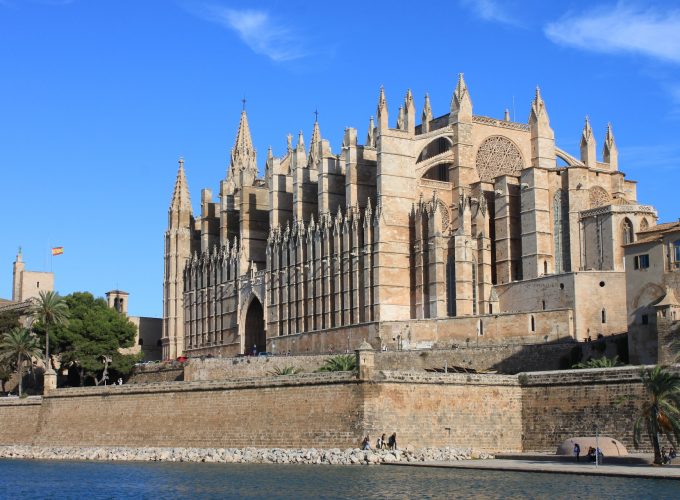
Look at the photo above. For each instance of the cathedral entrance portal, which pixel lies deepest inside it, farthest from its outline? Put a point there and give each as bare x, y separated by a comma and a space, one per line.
255, 328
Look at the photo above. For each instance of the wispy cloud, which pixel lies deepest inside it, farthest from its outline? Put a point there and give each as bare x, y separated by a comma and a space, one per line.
489, 10
261, 32
621, 28
650, 157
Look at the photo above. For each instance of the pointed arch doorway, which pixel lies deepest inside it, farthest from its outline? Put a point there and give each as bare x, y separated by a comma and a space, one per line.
254, 327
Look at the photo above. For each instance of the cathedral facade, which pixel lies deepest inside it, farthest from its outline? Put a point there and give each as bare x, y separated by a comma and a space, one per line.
459, 227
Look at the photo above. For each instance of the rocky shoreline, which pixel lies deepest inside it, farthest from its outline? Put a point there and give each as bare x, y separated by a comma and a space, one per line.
333, 456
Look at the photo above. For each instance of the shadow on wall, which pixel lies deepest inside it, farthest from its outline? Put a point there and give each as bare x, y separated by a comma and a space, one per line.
562, 355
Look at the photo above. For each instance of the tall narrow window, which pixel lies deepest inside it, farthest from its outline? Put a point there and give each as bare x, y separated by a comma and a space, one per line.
604, 316
474, 287
545, 267
533, 324
676, 254
561, 232
451, 286
627, 235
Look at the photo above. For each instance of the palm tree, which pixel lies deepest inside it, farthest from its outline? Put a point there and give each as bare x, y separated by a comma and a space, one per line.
50, 310
17, 345
286, 370
660, 413
599, 363
340, 363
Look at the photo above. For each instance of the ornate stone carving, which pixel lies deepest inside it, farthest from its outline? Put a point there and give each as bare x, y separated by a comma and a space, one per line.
598, 197
498, 156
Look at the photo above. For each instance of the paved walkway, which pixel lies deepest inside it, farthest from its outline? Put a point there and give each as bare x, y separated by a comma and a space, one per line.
639, 471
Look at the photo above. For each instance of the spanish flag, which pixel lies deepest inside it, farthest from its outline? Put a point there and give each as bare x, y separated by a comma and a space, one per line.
57, 250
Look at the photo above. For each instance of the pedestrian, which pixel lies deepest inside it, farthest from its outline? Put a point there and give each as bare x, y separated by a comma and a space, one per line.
383, 442
392, 441
366, 443
254, 350
577, 452
379, 443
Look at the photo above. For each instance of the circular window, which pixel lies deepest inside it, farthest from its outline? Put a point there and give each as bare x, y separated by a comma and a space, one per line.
601, 283
561, 286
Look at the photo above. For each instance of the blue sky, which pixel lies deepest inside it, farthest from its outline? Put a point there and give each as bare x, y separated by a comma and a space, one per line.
99, 98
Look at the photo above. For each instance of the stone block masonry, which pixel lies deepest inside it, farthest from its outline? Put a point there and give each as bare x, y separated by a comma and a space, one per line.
525, 412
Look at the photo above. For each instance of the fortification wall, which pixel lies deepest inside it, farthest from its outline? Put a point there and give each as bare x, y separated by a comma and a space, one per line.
530, 411
158, 372
248, 366
309, 410
19, 419
512, 358
559, 405
483, 412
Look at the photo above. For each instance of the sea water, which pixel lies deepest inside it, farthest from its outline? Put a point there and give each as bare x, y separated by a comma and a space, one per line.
103, 480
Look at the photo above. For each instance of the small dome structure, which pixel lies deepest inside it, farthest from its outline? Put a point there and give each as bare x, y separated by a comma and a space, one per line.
610, 447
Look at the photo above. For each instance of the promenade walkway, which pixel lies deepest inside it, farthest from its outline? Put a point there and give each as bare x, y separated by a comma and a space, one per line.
637, 471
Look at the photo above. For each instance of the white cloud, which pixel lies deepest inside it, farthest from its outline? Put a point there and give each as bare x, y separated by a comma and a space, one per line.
621, 28
488, 10
258, 30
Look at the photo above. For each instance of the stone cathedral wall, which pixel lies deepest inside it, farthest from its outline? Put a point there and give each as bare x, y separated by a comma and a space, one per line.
526, 412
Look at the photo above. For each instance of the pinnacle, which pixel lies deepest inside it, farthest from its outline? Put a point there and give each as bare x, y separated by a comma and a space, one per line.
243, 139
180, 195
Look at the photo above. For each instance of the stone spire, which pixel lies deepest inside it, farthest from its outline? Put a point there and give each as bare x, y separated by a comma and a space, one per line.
539, 113
382, 110
542, 136
180, 195
461, 104
400, 118
243, 168
427, 115
370, 137
409, 113
301, 142
610, 154
588, 152
289, 143
314, 146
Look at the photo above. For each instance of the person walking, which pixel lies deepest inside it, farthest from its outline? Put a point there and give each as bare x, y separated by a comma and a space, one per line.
577, 452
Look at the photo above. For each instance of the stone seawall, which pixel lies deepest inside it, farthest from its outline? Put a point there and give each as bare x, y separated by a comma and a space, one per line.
562, 404
525, 412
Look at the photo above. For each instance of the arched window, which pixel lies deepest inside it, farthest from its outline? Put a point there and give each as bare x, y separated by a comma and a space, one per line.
561, 232
644, 224
676, 254
627, 235
545, 267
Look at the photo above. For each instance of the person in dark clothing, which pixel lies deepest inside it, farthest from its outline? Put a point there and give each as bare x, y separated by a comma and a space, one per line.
577, 452
392, 441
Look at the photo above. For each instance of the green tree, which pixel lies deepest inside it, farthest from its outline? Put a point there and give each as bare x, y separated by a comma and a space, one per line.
340, 363
599, 363
94, 330
660, 412
18, 345
51, 310
6, 371
9, 320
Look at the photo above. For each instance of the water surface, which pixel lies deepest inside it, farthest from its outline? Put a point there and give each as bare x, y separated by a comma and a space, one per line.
104, 480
